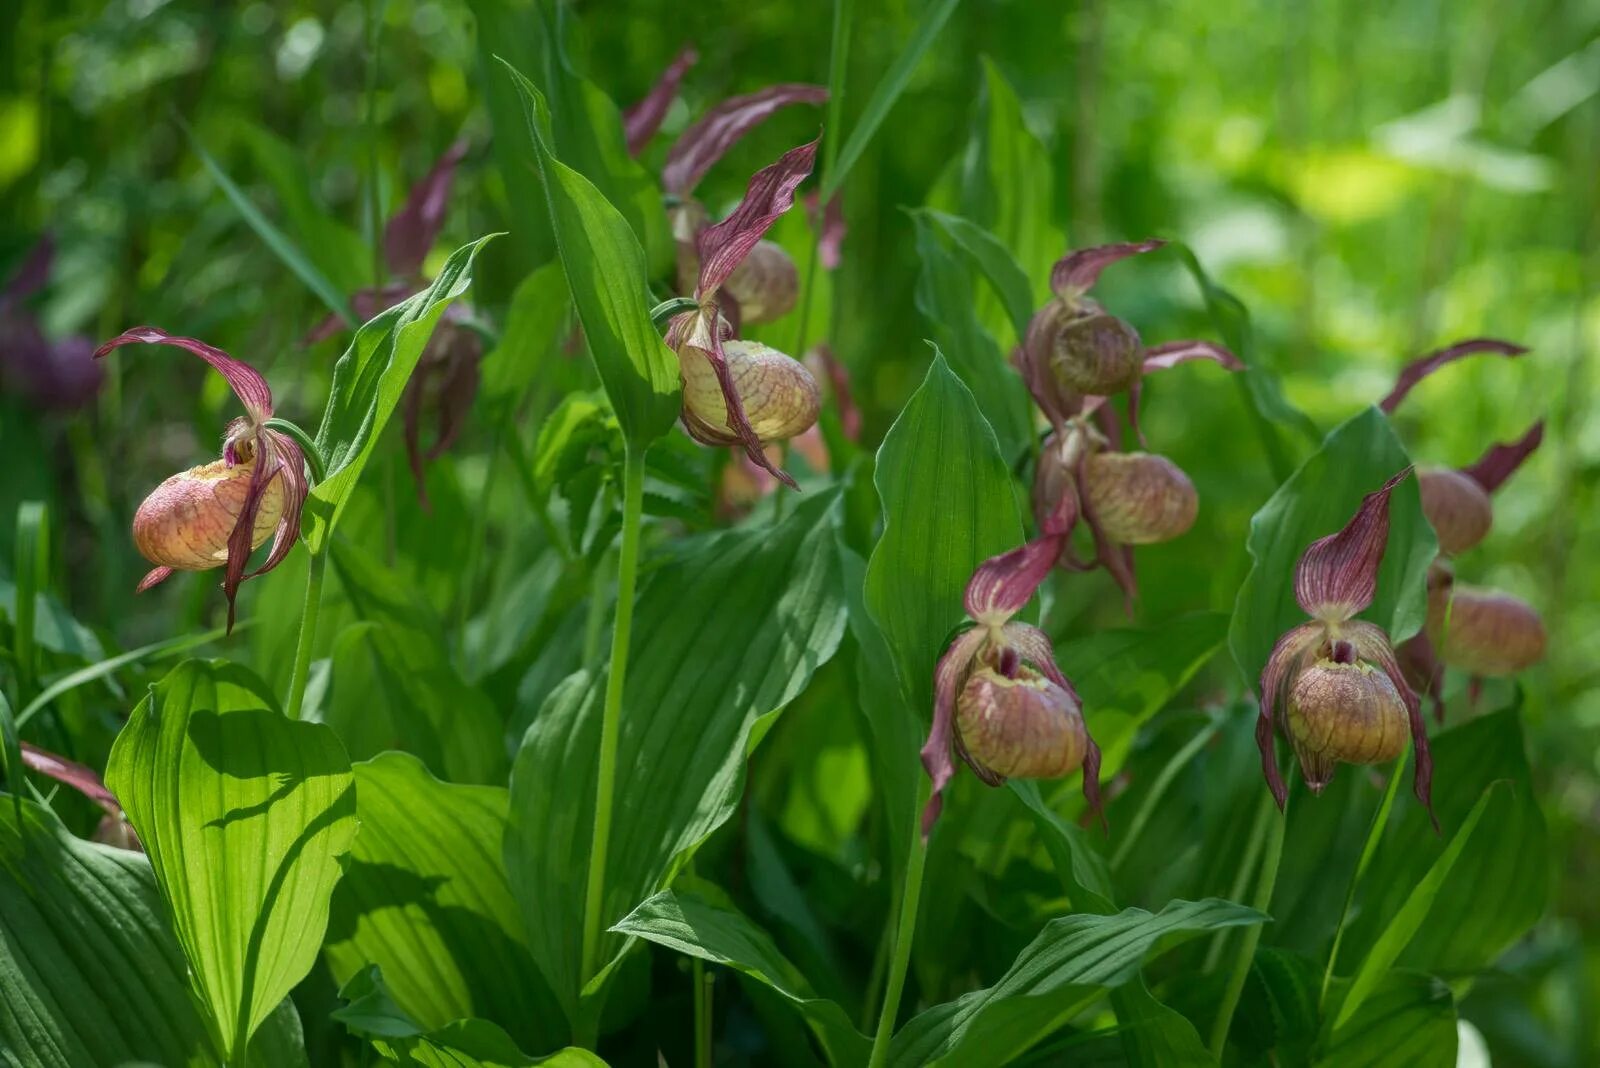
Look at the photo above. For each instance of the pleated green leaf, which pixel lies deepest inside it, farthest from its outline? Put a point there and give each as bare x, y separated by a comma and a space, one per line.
90, 974
726, 635
1356, 458
425, 898
722, 935
368, 381
1408, 1018
948, 505
606, 269
1066, 967
243, 814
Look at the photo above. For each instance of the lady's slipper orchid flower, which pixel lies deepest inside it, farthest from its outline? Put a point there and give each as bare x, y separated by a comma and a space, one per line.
216, 514
1125, 498
446, 377
1336, 678
1000, 700
59, 374
742, 392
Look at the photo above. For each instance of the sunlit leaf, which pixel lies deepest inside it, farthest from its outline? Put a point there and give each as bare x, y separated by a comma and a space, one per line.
244, 814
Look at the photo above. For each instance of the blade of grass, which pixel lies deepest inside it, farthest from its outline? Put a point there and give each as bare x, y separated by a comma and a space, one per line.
272, 237
94, 672
886, 93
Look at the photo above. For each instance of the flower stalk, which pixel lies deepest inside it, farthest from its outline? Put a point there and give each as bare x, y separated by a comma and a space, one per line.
300, 675
905, 933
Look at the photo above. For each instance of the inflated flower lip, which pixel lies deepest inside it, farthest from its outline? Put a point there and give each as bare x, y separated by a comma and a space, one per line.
215, 515
738, 392
1336, 678
1000, 700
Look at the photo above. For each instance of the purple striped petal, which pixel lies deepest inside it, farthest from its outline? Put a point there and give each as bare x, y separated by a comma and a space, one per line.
641, 121
412, 230
1003, 585
937, 760
78, 776
1418, 369
246, 381
1284, 661
724, 246
1172, 353
708, 140
1337, 575
1502, 461
1076, 273
268, 461
292, 470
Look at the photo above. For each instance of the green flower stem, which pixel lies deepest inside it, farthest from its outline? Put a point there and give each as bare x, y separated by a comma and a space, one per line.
905, 932
1265, 881
306, 443
664, 311
298, 678
1380, 820
611, 718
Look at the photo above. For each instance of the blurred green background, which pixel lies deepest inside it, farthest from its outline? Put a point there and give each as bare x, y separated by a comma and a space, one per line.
1372, 179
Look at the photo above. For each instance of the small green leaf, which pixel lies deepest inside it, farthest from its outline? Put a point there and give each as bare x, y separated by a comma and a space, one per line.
425, 898
605, 267
368, 382
948, 505
946, 296
887, 91
991, 257
243, 814
1403, 927
529, 350
89, 971
1065, 968
722, 935
1357, 457
275, 239
723, 651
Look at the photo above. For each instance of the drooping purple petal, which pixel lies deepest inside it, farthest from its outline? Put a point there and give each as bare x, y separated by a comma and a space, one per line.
641, 121
1032, 359
700, 146
412, 230
1281, 665
1424, 671
246, 381
267, 463
292, 472
1421, 368
1003, 585
1076, 273
830, 229
1338, 575
154, 577
69, 772
724, 246
1502, 461
1171, 353
948, 677
31, 274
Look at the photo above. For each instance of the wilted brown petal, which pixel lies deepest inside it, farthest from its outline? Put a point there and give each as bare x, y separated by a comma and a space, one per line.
1076, 273
1337, 575
641, 121
1418, 369
705, 142
1502, 461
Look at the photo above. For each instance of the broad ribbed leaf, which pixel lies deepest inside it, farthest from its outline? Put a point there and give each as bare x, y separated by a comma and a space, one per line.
997, 264
1080, 867
1153, 1035
1408, 1018
244, 814
425, 898
947, 293
1357, 457
606, 270
692, 925
90, 975
393, 685
1067, 966
368, 381
948, 505
729, 633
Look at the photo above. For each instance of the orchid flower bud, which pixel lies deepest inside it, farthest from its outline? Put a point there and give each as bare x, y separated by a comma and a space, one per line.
1092, 352
740, 392
1484, 632
766, 284
1000, 700
1139, 498
1456, 507
216, 514
1336, 678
